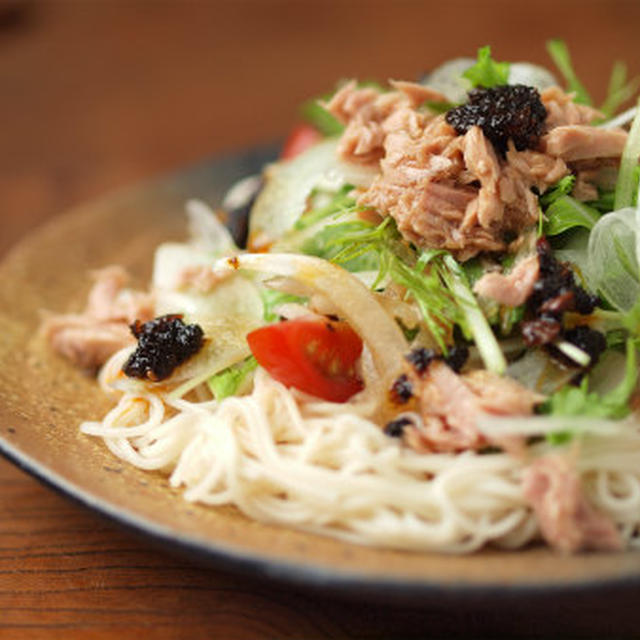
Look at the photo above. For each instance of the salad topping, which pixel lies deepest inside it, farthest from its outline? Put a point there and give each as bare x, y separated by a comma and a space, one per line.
163, 344
553, 293
505, 112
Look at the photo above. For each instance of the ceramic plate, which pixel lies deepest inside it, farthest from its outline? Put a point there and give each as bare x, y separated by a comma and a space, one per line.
43, 400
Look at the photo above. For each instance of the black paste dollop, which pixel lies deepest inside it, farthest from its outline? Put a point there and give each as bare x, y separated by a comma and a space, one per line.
554, 293
509, 112
421, 358
163, 344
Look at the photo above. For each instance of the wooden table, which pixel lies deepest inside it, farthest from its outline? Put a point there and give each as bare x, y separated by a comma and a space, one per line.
95, 95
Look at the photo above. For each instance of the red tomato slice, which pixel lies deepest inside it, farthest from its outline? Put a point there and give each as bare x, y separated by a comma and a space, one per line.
315, 356
302, 137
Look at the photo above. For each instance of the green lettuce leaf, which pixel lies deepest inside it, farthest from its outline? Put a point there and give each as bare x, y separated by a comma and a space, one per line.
566, 213
272, 298
231, 381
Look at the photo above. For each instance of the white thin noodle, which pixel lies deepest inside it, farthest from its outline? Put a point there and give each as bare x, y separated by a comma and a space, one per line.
282, 458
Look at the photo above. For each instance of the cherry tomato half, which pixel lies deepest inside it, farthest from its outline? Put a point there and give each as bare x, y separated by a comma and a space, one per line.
314, 355
302, 137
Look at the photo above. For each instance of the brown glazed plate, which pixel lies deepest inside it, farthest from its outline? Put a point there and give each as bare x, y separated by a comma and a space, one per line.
43, 399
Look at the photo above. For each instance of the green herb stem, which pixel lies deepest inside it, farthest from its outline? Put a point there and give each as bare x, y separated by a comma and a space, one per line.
477, 324
559, 53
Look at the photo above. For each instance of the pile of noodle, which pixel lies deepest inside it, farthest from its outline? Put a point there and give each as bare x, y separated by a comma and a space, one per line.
282, 457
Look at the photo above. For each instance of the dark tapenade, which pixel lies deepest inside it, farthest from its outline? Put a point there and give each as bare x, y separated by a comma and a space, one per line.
163, 344
509, 112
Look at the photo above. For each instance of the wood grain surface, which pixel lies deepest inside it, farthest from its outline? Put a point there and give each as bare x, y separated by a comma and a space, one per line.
96, 95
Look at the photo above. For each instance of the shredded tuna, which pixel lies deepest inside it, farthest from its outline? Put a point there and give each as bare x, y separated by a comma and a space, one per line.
599, 172
371, 115
87, 343
561, 110
349, 101
418, 187
500, 395
482, 162
579, 142
453, 192
89, 338
418, 94
368, 103
536, 169
584, 190
364, 111
450, 405
428, 184
513, 288
567, 520
456, 192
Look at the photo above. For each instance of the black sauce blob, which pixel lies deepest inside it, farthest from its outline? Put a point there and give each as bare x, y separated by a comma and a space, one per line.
509, 112
163, 344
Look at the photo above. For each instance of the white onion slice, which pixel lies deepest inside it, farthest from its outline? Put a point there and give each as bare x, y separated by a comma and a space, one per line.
235, 295
290, 183
206, 232
537, 371
225, 345
613, 259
